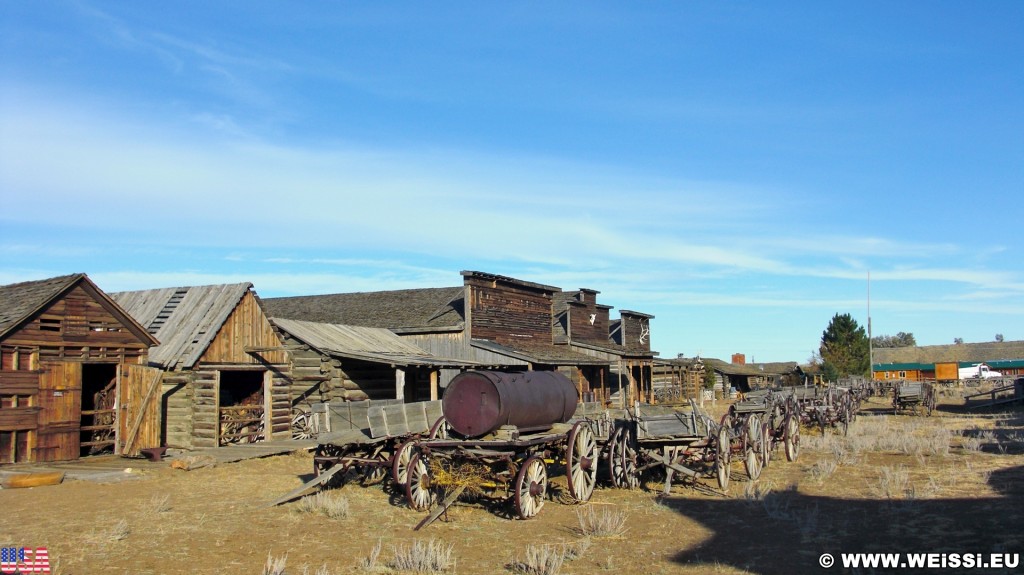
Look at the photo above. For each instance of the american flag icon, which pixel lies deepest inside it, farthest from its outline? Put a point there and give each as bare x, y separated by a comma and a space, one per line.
21, 560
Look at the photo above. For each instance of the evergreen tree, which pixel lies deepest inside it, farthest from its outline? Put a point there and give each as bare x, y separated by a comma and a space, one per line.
844, 348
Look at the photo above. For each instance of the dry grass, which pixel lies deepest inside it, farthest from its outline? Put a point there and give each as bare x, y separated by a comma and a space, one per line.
325, 503
420, 556
601, 523
275, 565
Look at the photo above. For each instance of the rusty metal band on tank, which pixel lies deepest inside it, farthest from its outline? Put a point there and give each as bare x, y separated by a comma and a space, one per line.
479, 402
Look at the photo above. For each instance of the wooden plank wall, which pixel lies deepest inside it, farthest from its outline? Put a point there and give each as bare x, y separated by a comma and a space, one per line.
139, 418
504, 312
246, 326
178, 395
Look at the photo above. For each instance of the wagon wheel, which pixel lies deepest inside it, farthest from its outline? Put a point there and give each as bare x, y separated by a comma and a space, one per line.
372, 474
581, 461
614, 461
766, 443
400, 463
791, 438
753, 447
628, 453
302, 423
723, 458
319, 467
531, 487
440, 429
417, 484
844, 419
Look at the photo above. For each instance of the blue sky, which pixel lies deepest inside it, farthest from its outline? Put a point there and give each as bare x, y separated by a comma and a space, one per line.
735, 169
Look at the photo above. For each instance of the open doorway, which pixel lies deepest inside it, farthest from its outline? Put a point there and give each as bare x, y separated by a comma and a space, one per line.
99, 413
241, 406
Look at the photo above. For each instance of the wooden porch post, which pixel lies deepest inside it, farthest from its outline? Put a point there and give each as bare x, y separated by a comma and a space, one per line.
399, 383
433, 384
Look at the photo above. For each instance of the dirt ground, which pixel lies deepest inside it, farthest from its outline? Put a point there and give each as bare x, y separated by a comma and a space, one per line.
951, 483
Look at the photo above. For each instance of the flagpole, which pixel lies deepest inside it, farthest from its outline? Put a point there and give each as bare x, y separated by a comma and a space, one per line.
871, 349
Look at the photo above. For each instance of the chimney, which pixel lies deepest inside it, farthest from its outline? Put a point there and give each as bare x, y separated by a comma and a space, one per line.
739, 359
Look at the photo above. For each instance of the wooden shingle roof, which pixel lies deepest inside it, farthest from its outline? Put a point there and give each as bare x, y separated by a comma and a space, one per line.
184, 319
397, 310
20, 302
375, 344
541, 353
976, 352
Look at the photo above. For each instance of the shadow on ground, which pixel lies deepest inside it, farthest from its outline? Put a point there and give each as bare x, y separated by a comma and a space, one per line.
788, 531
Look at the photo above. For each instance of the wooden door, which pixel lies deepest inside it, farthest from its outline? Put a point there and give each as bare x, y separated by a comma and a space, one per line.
138, 421
60, 415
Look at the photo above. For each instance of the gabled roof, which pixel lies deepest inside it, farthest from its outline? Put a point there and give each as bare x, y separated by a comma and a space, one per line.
976, 352
374, 344
397, 310
184, 319
752, 369
20, 302
546, 354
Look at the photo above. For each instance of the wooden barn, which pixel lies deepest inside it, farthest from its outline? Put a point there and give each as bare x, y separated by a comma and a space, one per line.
73, 376
356, 363
491, 321
586, 327
227, 375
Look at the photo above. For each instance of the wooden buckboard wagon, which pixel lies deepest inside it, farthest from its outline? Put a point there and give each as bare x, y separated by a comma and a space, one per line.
913, 396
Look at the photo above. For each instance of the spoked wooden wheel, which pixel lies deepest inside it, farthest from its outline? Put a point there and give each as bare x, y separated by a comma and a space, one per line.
417, 484
766, 444
614, 461
791, 438
723, 458
440, 429
581, 462
628, 454
531, 487
400, 463
753, 447
372, 474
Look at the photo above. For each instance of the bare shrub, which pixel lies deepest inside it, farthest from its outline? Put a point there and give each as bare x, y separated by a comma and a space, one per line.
755, 492
894, 482
369, 563
119, 532
423, 557
540, 560
325, 503
971, 444
606, 523
275, 565
160, 504
823, 469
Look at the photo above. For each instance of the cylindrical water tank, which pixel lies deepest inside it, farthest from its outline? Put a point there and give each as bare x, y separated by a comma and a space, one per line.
479, 402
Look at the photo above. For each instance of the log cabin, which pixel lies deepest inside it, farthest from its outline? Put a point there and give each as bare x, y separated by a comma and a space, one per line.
73, 375
227, 374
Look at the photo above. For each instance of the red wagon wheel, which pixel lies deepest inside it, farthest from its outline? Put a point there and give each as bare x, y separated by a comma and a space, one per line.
791, 437
628, 450
753, 447
417, 484
581, 461
723, 458
400, 463
531, 487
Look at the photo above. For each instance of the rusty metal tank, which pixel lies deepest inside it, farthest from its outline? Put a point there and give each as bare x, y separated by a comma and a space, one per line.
479, 402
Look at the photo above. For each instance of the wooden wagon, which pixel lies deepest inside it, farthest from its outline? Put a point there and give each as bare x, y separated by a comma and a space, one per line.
913, 396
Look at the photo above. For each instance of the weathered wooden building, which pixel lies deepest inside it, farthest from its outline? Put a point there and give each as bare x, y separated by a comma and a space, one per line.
492, 321
357, 363
73, 379
586, 327
227, 375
